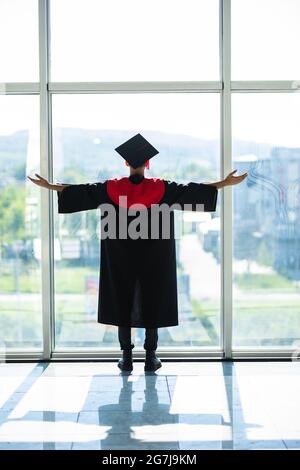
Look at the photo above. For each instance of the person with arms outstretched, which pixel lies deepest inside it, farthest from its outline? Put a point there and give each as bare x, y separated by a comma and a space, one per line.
138, 283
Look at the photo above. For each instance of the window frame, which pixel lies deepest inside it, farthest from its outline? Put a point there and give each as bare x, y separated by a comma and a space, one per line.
225, 87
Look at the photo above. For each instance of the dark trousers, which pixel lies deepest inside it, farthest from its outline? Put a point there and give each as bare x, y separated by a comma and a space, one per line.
150, 343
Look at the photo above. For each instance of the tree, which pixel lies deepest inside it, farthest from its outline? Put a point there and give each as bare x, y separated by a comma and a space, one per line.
12, 213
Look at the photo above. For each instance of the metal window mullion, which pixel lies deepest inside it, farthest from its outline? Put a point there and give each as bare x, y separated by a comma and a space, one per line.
226, 165
168, 86
135, 87
45, 169
265, 85
19, 88
174, 354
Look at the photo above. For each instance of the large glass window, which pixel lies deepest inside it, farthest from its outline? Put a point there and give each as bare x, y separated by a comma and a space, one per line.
151, 44
19, 41
20, 240
117, 40
265, 39
266, 143
185, 130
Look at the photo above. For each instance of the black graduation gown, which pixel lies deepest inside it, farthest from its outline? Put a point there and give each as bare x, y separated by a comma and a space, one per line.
137, 283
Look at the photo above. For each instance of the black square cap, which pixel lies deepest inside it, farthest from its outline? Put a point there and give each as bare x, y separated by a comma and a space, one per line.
136, 151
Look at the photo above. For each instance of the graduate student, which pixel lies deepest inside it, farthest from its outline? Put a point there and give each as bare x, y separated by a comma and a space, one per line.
137, 283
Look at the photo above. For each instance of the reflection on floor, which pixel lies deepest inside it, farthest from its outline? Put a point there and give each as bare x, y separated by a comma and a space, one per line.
184, 406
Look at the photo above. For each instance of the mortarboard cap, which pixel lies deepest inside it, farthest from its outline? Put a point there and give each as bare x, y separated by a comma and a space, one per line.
136, 151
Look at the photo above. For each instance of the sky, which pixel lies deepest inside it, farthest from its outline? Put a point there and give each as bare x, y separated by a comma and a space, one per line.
99, 40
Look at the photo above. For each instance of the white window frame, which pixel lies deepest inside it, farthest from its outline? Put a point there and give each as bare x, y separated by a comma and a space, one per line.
225, 87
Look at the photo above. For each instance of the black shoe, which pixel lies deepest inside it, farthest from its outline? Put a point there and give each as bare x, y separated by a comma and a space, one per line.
125, 363
152, 362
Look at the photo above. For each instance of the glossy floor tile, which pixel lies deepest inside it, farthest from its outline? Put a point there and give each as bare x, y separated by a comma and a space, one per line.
187, 406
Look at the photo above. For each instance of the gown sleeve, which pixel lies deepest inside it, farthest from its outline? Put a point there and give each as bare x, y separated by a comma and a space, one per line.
80, 197
191, 194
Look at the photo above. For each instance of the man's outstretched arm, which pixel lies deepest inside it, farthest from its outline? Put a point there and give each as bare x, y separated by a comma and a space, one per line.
40, 181
230, 180
192, 194
75, 197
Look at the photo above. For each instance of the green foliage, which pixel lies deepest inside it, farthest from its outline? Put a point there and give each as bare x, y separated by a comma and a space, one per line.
67, 280
71, 280
74, 222
73, 175
253, 281
27, 283
266, 323
204, 315
196, 172
20, 327
191, 172
12, 213
198, 308
204, 309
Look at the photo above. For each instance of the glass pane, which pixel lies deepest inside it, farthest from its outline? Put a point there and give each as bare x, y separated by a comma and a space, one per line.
117, 40
265, 39
267, 219
19, 41
20, 240
87, 128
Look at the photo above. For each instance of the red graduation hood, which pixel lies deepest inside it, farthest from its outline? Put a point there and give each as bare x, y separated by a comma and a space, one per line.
148, 191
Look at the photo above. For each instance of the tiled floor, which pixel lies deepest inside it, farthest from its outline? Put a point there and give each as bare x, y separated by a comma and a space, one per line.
184, 406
